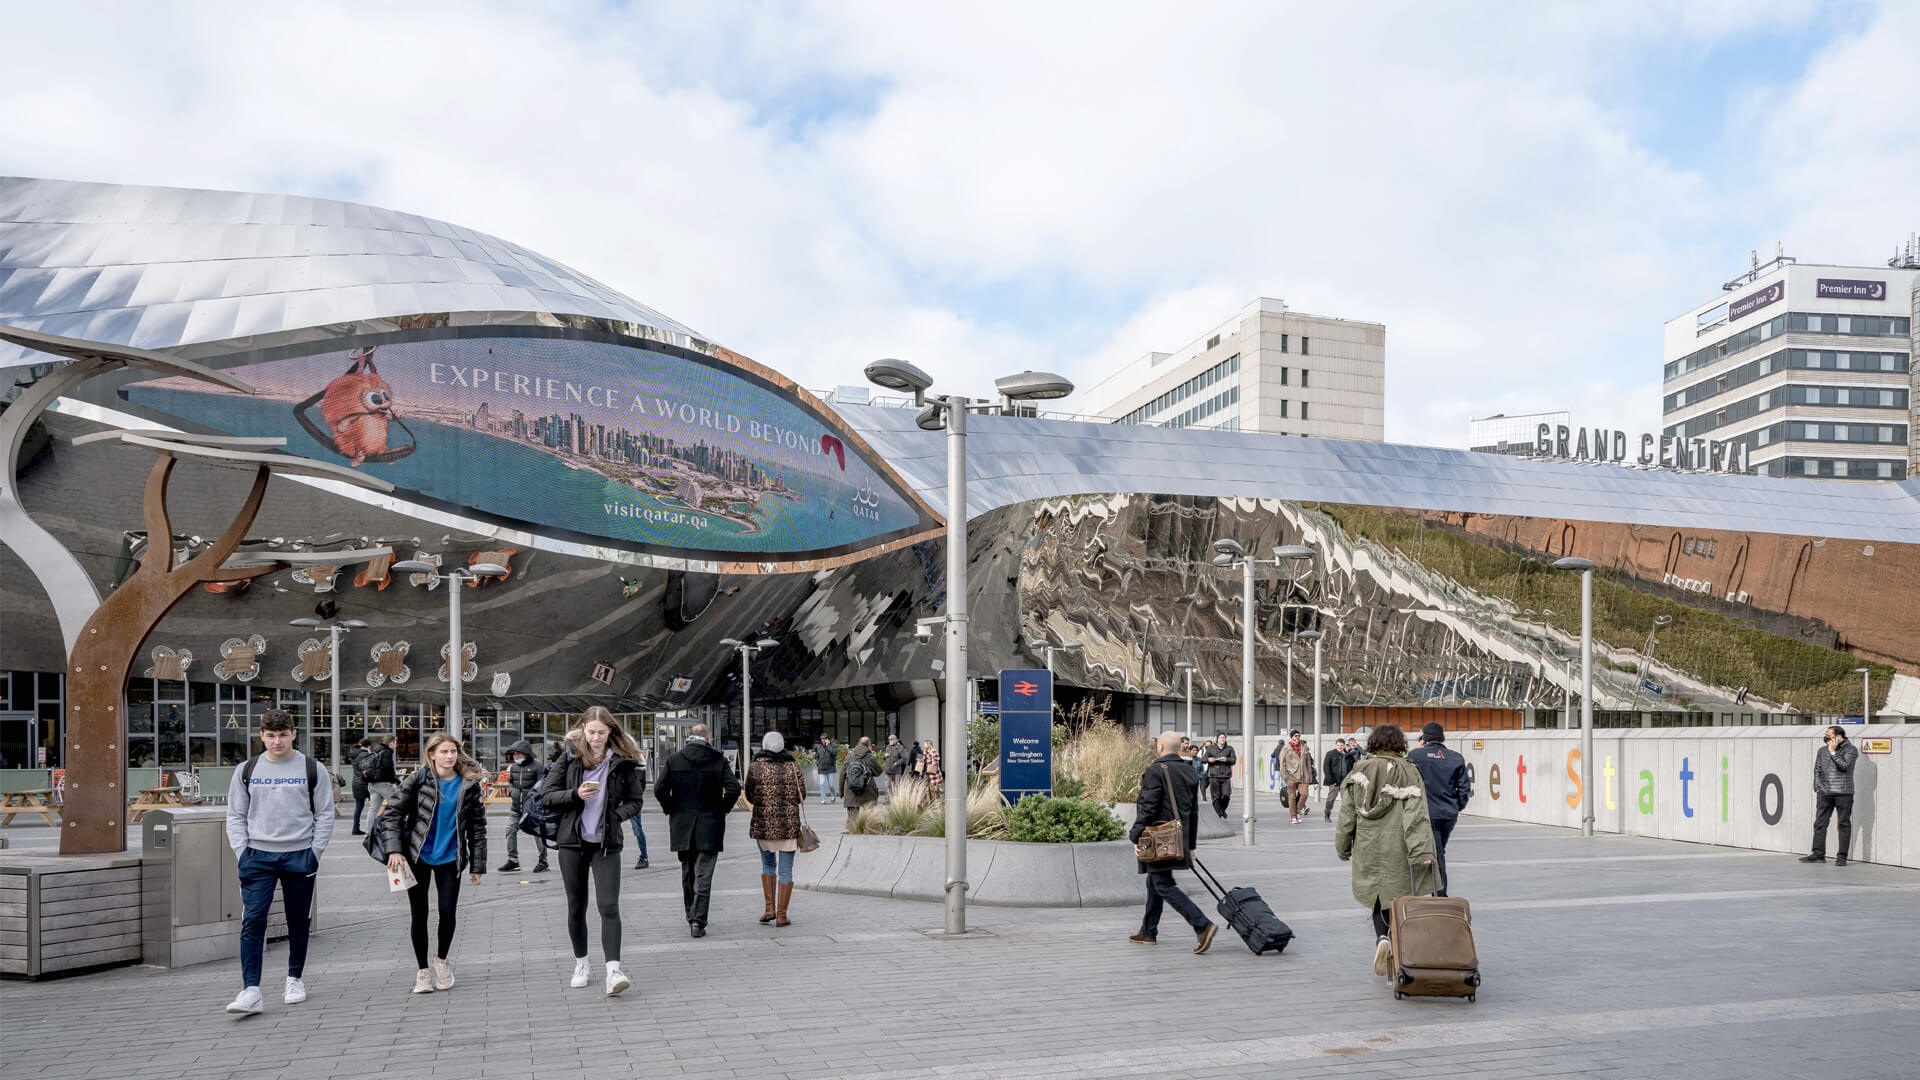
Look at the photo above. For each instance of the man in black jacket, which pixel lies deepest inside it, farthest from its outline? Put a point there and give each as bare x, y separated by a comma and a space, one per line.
1833, 790
382, 778
1218, 757
1444, 773
1333, 769
1169, 791
697, 788
524, 773
357, 761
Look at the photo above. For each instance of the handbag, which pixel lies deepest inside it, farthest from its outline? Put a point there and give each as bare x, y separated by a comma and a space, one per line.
808, 840
1165, 841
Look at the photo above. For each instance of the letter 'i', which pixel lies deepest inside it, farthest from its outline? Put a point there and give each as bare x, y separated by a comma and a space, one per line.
1723, 789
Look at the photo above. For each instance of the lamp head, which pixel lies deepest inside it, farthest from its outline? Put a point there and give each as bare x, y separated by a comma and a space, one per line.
732, 642
310, 623
1183, 666
1033, 386
1293, 551
414, 566
898, 375
1223, 560
1071, 645
1229, 546
354, 624
1309, 635
1663, 620
1573, 563
487, 569
933, 417
766, 643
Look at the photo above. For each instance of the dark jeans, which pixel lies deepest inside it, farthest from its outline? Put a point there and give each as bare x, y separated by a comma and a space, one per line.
1825, 806
359, 805
1161, 891
1441, 831
513, 829
639, 834
696, 883
445, 879
575, 863
294, 872
1221, 788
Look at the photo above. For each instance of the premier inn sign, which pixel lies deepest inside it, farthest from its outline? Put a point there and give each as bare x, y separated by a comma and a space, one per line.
1611, 445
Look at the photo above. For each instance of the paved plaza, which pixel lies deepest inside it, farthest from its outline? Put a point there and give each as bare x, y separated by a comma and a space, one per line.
1611, 957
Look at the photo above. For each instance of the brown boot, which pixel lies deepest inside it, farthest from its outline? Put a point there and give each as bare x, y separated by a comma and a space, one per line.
780, 912
766, 886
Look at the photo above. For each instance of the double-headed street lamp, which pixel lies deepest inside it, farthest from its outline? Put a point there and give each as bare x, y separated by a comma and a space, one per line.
456, 649
1227, 554
1585, 566
747, 650
1866, 694
334, 629
1315, 637
1049, 649
949, 413
1186, 669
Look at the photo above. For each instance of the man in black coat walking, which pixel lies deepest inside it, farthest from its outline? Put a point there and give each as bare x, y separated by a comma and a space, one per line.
1334, 769
1169, 791
1219, 759
357, 760
697, 789
1444, 774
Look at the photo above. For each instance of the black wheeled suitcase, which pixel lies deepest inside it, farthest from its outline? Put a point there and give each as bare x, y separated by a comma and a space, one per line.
1249, 915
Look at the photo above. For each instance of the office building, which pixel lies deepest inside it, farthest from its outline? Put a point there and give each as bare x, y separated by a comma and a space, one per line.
1515, 436
1266, 369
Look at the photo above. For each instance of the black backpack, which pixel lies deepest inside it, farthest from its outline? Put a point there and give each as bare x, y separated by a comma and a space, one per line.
313, 778
859, 776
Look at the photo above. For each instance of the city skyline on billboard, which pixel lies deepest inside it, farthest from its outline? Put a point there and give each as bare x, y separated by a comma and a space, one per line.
639, 444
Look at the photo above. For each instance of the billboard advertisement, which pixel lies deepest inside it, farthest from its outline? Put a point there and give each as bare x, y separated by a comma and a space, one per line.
609, 440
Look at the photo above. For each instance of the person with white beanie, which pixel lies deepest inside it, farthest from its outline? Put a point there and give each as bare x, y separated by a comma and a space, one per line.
776, 788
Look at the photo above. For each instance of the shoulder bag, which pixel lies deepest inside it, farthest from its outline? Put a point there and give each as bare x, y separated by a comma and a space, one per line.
1167, 840
808, 840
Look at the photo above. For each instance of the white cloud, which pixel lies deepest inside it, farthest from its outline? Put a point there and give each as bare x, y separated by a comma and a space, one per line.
818, 186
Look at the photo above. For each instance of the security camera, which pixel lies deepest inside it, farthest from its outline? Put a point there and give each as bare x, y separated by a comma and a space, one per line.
925, 627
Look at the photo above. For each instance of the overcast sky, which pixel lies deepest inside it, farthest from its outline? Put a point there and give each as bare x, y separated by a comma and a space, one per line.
1522, 193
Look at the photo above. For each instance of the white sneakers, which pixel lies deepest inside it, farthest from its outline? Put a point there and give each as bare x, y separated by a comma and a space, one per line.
248, 1003
295, 993
442, 974
423, 981
617, 980
1383, 957
582, 974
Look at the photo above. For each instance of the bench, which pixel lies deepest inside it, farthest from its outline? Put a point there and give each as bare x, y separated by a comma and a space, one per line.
29, 801
153, 798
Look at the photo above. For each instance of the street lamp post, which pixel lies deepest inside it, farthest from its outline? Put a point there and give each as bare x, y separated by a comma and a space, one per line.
1187, 669
1049, 649
949, 413
1315, 637
1229, 553
1866, 694
1585, 566
456, 661
334, 630
747, 651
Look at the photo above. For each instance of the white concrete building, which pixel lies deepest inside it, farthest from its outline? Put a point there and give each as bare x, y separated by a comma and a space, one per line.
1517, 436
1809, 367
1266, 369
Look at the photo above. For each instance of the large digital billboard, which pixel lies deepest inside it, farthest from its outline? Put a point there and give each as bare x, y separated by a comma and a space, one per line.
638, 444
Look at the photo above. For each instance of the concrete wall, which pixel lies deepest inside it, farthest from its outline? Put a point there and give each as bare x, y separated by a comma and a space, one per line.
1748, 787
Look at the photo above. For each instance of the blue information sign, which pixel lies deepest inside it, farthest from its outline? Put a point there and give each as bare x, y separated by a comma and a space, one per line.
1026, 733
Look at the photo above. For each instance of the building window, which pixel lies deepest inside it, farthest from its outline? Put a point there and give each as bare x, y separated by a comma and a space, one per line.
1283, 408
1303, 410
1212, 341
1283, 343
1283, 376
1303, 371
1303, 349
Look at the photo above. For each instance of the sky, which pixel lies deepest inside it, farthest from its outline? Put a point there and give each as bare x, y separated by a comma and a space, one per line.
1522, 194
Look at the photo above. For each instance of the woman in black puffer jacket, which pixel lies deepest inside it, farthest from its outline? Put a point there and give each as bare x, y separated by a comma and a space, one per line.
437, 824
594, 790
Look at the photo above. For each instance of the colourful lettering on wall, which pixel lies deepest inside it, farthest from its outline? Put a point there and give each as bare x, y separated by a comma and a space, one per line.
1608, 786
1772, 817
1578, 792
1686, 776
1521, 769
1723, 789
1493, 782
1646, 792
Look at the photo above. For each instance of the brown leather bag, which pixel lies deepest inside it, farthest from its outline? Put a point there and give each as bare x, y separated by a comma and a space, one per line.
1165, 841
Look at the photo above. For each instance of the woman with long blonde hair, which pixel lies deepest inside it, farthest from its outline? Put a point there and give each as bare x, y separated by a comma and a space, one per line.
594, 790
436, 824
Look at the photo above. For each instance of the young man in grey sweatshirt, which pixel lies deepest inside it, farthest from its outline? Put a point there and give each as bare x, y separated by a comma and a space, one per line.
278, 828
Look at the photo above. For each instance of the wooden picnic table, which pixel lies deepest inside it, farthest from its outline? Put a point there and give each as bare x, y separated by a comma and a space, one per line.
29, 801
153, 798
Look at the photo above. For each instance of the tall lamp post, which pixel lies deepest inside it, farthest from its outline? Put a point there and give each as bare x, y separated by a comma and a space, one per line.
747, 651
1227, 554
949, 413
334, 630
1866, 694
456, 662
1186, 669
1315, 637
1585, 566
1049, 649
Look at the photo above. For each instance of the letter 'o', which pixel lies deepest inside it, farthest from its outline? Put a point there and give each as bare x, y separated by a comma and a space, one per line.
1772, 817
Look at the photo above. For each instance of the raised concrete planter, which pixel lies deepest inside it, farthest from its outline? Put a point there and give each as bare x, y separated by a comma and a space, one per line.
1001, 873
1211, 827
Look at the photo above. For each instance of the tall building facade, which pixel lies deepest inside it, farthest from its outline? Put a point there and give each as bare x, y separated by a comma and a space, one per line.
1515, 436
1266, 369
1808, 367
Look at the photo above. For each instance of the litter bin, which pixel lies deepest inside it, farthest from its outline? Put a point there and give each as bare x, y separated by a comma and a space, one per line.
190, 890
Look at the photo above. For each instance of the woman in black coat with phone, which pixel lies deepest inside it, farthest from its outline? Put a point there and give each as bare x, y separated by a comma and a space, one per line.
594, 790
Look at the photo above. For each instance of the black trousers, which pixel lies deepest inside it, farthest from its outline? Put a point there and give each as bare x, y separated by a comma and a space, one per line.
1825, 806
604, 865
1221, 788
444, 879
1382, 920
1441, 831
696, 883
1162, 891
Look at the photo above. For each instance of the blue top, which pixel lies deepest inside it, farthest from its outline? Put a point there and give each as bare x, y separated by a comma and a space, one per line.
440, 848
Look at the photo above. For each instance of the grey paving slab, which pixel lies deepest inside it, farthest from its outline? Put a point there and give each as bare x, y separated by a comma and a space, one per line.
1614, 957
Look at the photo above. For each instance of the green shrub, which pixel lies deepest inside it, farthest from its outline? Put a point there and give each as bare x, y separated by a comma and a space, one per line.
983, 739
805, 759
1036, 819
1068, 787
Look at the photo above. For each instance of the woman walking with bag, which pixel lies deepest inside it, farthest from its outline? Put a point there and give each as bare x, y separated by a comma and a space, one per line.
777, 791
436, 825
1384, 829
594, 790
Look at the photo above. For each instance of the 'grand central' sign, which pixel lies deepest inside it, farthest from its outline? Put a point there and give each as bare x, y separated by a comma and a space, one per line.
1667, 452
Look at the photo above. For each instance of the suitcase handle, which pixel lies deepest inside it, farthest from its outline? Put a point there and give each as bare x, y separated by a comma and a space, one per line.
1433, 875
1206, 878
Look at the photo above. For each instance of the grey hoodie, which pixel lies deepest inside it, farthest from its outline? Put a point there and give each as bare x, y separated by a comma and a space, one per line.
271, 813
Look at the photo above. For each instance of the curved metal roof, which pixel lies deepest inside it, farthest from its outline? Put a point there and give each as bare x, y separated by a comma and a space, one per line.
159, 268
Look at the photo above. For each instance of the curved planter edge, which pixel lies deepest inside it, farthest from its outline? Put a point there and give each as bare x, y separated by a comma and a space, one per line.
1001, 873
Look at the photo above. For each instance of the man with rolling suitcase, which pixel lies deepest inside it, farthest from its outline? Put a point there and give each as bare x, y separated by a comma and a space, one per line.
1169, 793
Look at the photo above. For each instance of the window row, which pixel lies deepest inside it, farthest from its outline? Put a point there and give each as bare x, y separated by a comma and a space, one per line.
1785, 359
1305, 341
1817, 431
1856, 397
1286, 407
1304, 373
1796, 322
1837, 468
1203, 381
1223, 400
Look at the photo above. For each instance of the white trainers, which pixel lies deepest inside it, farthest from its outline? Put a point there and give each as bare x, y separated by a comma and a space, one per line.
248, 1003
423, 982
1383, 957
442, 974
617, 981
582, 974
295, 993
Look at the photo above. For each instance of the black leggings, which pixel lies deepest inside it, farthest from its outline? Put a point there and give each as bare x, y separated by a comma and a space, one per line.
447, 878
1382, 920
574, 864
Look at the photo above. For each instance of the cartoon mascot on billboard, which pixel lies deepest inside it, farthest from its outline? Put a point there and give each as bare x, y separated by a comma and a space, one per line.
357, 408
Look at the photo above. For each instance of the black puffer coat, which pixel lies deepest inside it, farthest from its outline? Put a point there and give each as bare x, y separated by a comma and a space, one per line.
624, 792
357, 761
697, 789
409, 814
